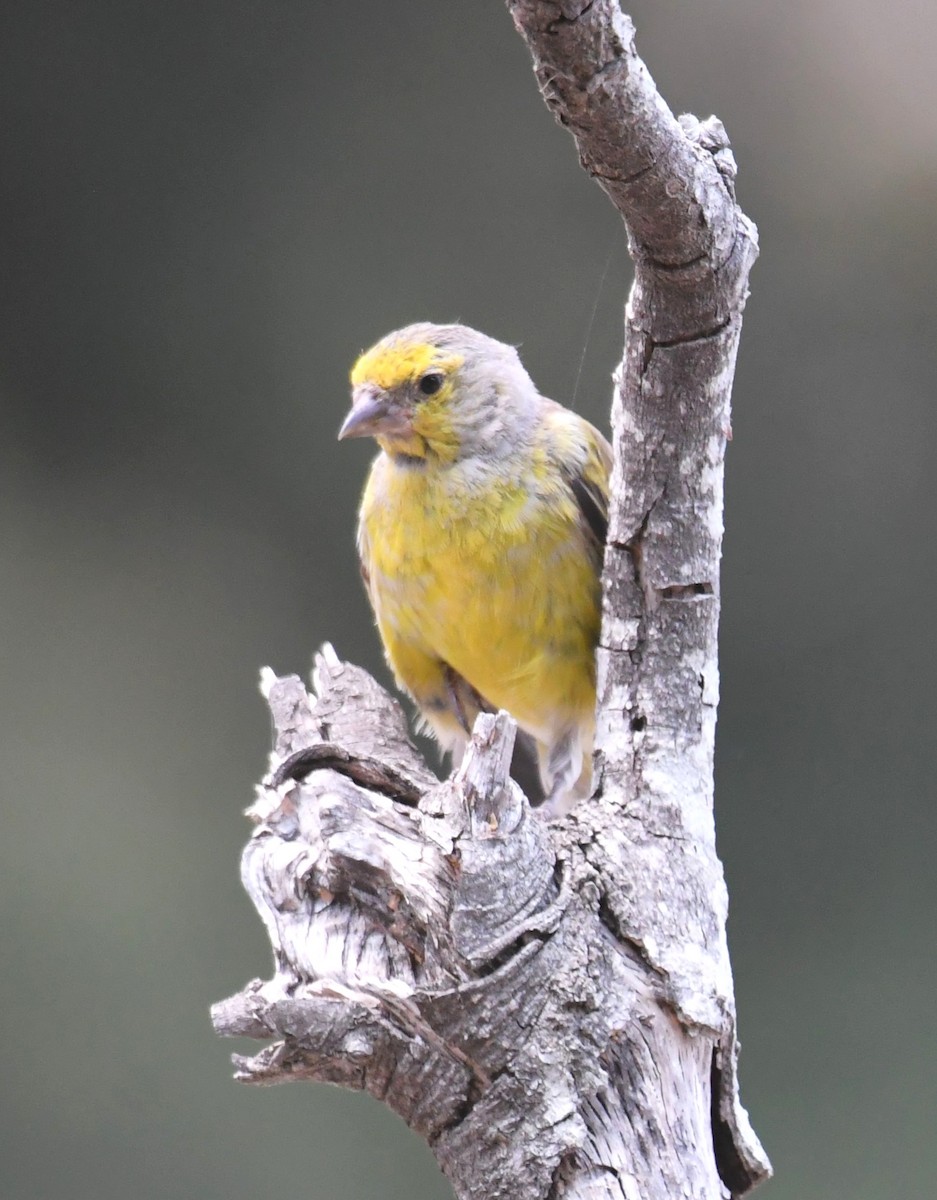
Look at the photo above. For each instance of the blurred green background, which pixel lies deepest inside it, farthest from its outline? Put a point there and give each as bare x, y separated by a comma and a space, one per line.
207, 211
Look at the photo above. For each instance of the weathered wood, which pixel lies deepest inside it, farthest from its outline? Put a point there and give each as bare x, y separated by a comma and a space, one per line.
551, 1006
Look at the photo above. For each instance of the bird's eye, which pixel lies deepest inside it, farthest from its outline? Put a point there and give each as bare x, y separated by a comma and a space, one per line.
430, 383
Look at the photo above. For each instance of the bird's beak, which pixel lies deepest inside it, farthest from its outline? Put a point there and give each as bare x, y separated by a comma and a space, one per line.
374, 413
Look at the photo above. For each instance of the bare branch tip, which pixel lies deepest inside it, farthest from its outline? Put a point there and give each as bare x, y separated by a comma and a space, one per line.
268, 678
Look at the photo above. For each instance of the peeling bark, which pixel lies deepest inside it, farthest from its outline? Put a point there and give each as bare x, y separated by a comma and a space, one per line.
550, 1006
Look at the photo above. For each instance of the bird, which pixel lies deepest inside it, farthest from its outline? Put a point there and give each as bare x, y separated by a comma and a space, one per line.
481, 535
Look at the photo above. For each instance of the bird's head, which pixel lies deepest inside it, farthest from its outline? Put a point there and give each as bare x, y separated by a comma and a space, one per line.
442, 392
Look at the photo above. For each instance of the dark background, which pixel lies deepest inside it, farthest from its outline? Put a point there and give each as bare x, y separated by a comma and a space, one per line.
207, 211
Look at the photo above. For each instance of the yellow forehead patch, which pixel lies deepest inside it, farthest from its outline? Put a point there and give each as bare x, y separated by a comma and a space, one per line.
391, 364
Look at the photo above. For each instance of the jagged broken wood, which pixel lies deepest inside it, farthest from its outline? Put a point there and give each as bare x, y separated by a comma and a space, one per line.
551, 1006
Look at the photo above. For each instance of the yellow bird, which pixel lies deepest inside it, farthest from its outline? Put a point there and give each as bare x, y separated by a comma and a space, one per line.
481, 535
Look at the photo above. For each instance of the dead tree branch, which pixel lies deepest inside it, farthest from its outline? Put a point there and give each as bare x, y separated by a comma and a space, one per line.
550, 1006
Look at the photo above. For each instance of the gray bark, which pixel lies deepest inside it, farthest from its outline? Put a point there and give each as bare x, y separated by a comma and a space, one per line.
549, 1005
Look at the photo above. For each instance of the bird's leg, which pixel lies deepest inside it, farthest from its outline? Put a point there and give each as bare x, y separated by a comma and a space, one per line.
562, 770
465, 704
455, 688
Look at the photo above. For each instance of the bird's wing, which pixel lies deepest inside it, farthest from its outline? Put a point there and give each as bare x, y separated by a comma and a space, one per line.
364, 559
365, 576
584, 459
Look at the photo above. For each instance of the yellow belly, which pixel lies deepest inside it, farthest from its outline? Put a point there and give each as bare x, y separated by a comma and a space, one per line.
495, 583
